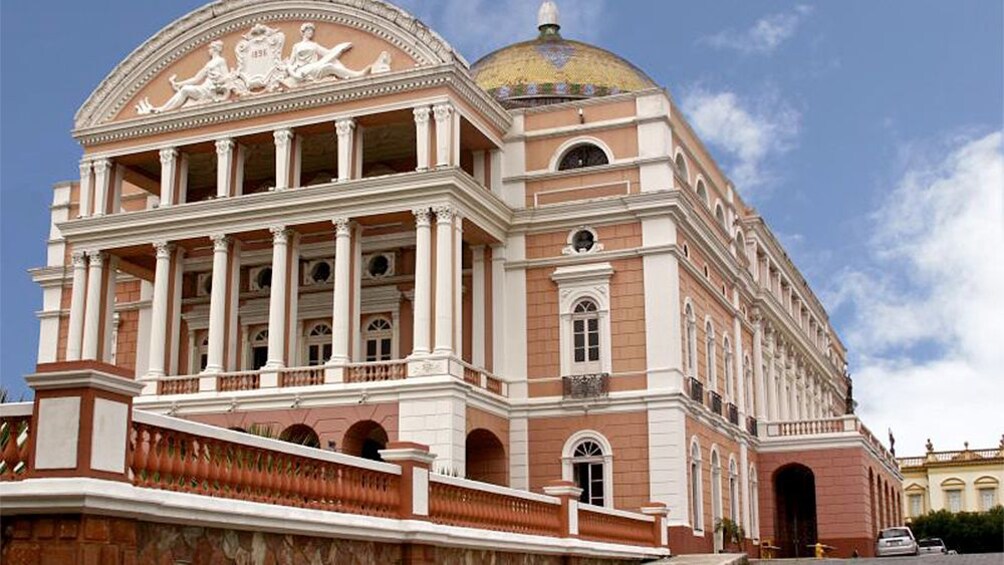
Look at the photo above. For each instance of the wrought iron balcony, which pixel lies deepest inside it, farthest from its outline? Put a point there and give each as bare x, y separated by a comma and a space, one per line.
715, 402
696, 390
586, 386
751, 424
733, 412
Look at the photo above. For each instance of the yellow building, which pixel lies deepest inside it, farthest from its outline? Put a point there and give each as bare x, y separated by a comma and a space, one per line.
967, 480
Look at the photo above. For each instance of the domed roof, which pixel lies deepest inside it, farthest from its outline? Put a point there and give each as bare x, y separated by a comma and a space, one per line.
551, 69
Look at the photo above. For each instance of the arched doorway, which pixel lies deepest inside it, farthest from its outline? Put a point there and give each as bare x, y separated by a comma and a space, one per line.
301, 434
486, 459
365, 439
795, 495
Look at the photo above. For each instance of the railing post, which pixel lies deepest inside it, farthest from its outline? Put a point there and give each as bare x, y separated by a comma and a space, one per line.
81, 421
660, 531
415, 461
569, 495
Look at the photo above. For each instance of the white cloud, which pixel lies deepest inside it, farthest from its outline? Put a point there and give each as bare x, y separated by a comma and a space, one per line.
750, 134
477, 27
765, 36
927, 327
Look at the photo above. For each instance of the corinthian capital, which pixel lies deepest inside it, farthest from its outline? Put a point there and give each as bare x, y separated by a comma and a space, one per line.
79, 260
343, 226
163, 249
220, 242
422, 217
442, 112
422, 114
282, 136
168, 156
95, 257
280, 235
444, 213
224, 147
345, 126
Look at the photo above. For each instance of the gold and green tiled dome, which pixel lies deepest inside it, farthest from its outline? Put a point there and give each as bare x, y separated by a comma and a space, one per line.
552, 69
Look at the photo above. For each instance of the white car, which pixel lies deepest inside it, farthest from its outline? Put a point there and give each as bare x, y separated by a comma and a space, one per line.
932, 546
896, 541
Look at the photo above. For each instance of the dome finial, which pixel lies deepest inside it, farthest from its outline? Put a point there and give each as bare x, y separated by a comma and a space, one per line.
547, 18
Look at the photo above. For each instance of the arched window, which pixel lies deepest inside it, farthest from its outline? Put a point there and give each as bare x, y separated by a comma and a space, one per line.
318, 344
709, 352
729, 366
587, 460
720, 216
702, 191
586, 336
733, 491
691, 340
379, 340
587, 465
581, 156
696, 489
681, 168
301, 434
259, 349
716, 494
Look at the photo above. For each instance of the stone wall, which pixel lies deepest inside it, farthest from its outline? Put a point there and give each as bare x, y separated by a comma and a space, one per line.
95, 540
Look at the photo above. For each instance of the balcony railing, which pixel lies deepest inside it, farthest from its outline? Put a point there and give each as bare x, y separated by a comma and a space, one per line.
696, 390
715, 402
375, 372
733, 412
843, 425
751, 425
15, 431
586, 386
301, 376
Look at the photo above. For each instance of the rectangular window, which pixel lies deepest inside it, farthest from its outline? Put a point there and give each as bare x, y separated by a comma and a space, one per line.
987, 499
916, 505
953, 499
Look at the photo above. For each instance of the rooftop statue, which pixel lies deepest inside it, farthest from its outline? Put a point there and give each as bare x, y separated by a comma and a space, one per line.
211, 83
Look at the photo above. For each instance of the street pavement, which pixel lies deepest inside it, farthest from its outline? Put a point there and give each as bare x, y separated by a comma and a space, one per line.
973, 559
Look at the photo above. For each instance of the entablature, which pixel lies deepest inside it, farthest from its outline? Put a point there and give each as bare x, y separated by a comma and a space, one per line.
317, 203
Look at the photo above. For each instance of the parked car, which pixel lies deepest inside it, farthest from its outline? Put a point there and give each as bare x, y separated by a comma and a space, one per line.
896, 541
932, 545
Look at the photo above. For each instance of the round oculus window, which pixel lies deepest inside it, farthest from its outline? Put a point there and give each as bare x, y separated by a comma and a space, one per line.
379, 266
321, 272
583, 241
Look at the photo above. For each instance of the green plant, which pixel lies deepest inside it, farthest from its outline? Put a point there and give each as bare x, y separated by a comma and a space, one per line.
965, 532
732, 533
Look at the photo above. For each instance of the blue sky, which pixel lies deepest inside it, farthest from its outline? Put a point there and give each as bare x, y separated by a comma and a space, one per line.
866, 133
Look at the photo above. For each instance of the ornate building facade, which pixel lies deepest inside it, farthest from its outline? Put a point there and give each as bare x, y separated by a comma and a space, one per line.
316, 218
967, 480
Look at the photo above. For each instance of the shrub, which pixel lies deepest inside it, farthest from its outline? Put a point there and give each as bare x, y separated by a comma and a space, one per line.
965, 532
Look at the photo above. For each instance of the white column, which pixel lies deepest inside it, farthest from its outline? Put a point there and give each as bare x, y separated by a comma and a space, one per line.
224, 167
478, 306
158, 323
344, 128
458, 286
193, 353
498, 308
444, 134
102, 170
76, 330
86, 188
423, 282
758, 376
218, 303
444, 280
92, 311
422, 137
277, 298
340, 318
283, 161
168, 175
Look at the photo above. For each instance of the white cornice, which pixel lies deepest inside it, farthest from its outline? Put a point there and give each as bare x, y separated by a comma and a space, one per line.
215, 20
329, 94
319, 203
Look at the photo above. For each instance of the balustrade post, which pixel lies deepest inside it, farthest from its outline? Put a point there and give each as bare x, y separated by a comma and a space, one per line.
660, 531
415, 462
569, 495
81, 421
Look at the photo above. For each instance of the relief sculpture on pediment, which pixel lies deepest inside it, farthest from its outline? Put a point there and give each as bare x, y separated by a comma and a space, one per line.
261, 68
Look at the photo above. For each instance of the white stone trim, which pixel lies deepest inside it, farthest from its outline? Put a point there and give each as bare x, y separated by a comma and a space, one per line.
56, 437
121, 499
575, 142
567, 456
575, 283
83, 378
109, 435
